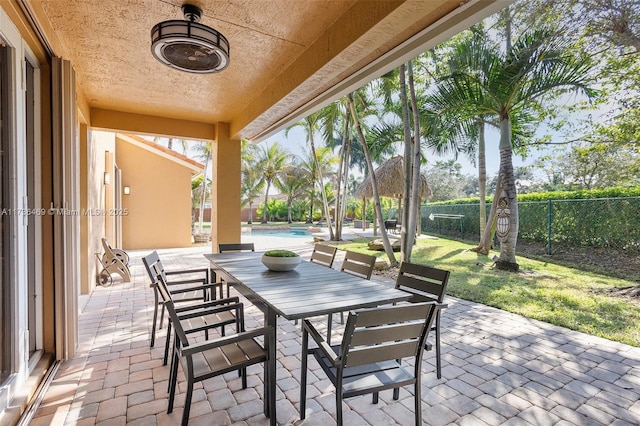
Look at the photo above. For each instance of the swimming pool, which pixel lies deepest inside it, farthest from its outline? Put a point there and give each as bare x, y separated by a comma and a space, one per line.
283, 233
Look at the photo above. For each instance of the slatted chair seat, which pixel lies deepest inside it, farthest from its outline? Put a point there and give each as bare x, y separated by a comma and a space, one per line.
369, 358
220, 360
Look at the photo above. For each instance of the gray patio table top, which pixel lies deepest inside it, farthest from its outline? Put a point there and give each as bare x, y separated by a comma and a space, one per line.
307, 291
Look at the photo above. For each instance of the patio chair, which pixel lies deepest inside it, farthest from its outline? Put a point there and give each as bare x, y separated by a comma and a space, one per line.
426, 284
391, 226
210, 358
358, 264
196, 287
114, 261
323, 254
369, 359
193, 314
232, 247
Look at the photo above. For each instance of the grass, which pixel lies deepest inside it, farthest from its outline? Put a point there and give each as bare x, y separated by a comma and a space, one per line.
556, 294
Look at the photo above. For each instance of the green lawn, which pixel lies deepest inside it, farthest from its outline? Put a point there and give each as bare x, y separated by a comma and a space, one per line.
555, 294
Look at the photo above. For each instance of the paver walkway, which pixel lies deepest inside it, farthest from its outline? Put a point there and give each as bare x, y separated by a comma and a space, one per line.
499, 369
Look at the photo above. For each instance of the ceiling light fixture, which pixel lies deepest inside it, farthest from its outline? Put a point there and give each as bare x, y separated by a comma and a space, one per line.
190, 46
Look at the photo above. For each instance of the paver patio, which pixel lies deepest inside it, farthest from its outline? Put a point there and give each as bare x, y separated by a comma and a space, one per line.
498, 368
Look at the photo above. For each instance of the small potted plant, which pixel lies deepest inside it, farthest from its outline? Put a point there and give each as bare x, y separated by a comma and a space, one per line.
280, 260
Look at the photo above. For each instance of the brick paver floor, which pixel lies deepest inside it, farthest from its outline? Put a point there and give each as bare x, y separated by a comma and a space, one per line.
498, 369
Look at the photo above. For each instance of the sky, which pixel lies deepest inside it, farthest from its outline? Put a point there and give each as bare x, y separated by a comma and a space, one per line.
296, 144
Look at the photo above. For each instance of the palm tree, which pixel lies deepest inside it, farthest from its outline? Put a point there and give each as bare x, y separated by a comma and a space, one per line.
315, 166
272, 160
469, 134
401, 82
336, 119
292, 183
311, 124
509, 85
374, 184
203, 151
252, 182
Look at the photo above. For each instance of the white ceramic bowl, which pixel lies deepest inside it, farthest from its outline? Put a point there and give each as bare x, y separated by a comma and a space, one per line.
280, 264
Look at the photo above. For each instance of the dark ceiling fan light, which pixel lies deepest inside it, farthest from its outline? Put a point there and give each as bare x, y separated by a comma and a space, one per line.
188, 45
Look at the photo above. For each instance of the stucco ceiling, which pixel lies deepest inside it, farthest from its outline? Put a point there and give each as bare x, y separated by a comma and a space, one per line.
286, 55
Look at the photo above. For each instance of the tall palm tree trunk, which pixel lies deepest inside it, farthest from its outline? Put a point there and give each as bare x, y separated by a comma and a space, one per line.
405, 251
203, 193
338, 201
486, 240
414, 193
374, 184
345, 181
482, 177
266, 201
325, 204
507, 211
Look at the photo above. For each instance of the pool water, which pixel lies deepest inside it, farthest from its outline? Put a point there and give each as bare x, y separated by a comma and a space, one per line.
284, 233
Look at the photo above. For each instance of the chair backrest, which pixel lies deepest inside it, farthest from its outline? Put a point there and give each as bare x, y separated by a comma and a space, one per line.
154, 267
163, 289
358, 264
236, 247
323, 254
387, 333
424, 282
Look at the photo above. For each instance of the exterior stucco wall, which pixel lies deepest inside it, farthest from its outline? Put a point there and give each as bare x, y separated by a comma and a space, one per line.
158, 209
101, 147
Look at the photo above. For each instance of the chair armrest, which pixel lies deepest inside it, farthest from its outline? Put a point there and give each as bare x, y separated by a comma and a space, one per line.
234, 338
194, 288
238, 307
200, 281
322, 344
188, 271
229, 301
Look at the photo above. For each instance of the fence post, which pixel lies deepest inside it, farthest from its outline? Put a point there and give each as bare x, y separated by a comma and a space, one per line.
549, 225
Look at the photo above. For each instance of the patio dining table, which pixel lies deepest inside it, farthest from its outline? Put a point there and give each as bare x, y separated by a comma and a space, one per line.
307, 291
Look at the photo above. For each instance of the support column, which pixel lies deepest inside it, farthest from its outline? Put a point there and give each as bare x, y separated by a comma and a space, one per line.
225, 188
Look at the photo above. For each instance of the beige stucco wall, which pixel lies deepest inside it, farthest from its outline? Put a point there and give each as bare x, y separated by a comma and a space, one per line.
158, 209
99, 149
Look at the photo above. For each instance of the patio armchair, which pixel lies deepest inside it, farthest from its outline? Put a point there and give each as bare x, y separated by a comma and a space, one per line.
196, 317
426, 284
369, 359
191, 286
358, 264
206, 359
231, 247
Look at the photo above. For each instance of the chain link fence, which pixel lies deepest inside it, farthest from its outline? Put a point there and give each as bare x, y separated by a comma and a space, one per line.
603, 222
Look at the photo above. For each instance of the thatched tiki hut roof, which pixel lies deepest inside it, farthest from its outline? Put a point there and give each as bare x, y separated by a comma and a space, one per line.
390, 177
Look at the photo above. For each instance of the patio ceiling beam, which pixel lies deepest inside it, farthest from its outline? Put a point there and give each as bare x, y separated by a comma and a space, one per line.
119, 121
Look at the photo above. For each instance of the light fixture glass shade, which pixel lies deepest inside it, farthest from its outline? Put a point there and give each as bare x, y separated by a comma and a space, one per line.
189, 46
